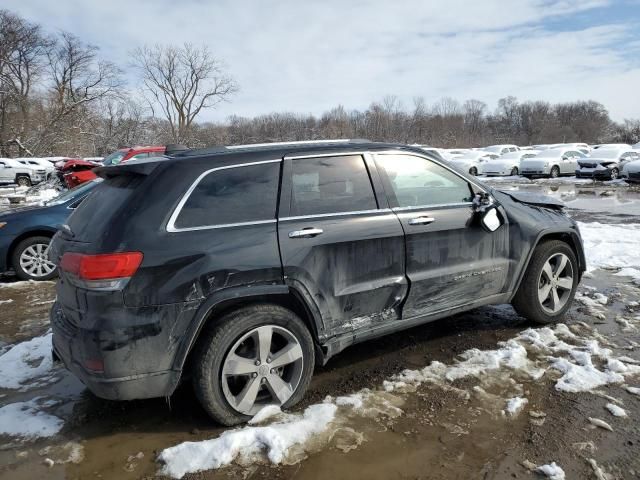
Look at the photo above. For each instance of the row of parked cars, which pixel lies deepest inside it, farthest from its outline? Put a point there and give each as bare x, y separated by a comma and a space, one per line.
604, 161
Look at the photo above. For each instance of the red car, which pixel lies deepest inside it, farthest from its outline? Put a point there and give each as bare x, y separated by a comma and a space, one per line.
76, 172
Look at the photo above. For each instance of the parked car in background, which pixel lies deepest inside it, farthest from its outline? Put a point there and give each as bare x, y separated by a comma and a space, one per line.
25, 233
439, 153
12, 171
186, 269
606, 163
551, 163
611, 145
472, 162
581, 147
75, 172
637, 146
631, 172
507, 164
501, 149
38, 164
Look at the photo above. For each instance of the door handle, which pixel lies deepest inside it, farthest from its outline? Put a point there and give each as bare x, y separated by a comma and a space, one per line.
306, 233
421, 220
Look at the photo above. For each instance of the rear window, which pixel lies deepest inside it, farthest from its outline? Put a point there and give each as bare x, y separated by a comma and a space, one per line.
242, 194
89, 220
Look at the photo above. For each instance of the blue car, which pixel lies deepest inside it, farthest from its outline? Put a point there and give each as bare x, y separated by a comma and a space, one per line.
25, 233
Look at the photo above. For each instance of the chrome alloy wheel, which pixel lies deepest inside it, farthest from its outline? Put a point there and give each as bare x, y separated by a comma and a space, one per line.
34, 260
263, 367
555, 283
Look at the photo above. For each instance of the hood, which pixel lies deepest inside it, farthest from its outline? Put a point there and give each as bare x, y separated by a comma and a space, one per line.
16, 212
536, 199
596, 161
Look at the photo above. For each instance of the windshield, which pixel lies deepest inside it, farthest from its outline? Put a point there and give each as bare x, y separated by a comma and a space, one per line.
114, 158
73, 193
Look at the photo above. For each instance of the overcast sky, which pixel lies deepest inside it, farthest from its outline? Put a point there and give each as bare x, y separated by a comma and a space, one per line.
308, 56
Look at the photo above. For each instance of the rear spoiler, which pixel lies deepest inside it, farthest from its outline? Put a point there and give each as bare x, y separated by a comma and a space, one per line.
134, 167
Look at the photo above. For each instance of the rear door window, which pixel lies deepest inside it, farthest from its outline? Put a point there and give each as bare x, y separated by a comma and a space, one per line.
331, 185
417, 181
226, 196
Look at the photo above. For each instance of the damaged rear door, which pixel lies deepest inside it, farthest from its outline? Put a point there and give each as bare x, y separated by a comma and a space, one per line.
341, 246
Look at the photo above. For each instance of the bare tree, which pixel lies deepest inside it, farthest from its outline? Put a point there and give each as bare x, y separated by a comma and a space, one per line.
181, 82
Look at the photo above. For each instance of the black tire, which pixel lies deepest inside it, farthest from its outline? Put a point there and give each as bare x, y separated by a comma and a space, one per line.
555, 172
514, 171
473, 171
23, 181
216, 342
17, 253
615, 174
526, 301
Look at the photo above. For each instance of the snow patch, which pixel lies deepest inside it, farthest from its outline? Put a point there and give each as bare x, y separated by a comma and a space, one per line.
611, 246
26, 420
248, 443
26, 361
552, 471
515, 405
615, 410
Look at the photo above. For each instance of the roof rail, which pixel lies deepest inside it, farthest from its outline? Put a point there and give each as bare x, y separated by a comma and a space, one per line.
302, 142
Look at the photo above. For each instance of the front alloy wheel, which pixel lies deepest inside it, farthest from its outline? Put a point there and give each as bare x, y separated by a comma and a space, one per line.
614, 174
555, 172
555, 283
31, 259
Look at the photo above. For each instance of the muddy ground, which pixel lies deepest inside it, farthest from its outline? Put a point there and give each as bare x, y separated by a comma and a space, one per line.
439, 435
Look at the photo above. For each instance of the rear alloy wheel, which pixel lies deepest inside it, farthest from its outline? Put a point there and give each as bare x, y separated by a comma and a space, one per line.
549, 284
473, 171
555, 172
256, 356
615, 173
30, 259
23, 181
514, 171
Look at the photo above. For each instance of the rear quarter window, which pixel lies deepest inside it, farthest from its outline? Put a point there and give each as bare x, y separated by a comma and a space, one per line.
241, 194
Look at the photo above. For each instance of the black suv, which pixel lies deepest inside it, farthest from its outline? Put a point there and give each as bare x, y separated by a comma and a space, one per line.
243, 267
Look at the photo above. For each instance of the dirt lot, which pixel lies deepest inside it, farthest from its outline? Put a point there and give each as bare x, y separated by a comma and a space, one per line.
417, 424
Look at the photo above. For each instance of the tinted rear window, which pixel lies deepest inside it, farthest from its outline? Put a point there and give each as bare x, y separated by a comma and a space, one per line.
90, 219
233, 195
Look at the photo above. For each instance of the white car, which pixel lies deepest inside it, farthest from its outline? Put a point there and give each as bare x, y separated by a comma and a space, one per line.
501, 149
551, 163
12, 171
631, 172
507, 164
581, 147
440, 153
606, 163
611, 145
472, 162
636, 146
38, 164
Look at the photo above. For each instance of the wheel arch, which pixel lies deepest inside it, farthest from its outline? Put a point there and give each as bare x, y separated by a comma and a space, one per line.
570, 237
228, 300
38, 232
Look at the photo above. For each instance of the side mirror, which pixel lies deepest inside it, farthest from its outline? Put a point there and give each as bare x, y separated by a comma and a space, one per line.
491, 220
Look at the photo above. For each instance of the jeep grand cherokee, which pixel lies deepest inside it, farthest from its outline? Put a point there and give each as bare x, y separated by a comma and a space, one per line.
240, 268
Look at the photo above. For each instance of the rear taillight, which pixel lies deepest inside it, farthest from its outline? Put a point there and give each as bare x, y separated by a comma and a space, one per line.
109, 271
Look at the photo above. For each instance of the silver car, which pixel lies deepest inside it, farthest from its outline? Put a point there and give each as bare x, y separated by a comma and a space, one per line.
551, 163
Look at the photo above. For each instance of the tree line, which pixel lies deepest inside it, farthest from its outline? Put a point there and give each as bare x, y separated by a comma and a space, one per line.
58, 96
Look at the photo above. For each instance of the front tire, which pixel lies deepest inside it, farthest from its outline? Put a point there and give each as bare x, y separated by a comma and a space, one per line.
23, 181
549, 284
255, 356
615, 173
473, 171
514, 171
555, 172
30, 259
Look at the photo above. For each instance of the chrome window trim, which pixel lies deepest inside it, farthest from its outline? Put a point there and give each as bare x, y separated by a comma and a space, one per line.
337, 214
171, 224
436, 205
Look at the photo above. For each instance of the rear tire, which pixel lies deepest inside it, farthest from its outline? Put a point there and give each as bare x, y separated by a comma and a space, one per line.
555, 172
30, 260
473, 171
615, 173
535, 299
23, 181
229, 366
514, 171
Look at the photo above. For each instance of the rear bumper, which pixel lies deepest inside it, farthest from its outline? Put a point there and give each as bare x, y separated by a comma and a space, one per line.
116, 363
